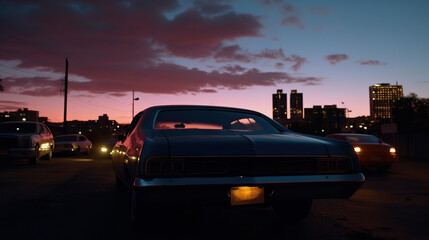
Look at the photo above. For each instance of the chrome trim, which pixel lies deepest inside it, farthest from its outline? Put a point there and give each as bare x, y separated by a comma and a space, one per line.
158, 182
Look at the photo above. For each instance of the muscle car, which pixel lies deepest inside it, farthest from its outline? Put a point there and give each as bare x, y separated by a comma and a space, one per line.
206, 155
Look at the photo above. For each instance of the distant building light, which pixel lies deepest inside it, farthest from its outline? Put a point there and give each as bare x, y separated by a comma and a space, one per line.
7, 115
360, 126
80, 132
365, 128
24, 119
351, 126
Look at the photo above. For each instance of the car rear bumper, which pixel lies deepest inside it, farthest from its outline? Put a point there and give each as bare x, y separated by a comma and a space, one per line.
216, 190
377, 160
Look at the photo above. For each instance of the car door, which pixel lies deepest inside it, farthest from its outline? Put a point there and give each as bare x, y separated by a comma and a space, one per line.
119, 157
83, 143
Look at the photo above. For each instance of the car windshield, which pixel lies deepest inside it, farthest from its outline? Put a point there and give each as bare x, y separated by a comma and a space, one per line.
65, 138
362, 138
18, 128
212, 119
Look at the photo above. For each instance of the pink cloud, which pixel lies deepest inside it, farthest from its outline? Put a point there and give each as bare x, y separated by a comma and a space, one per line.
372, 63
164, 78
336, 58
292, 21
121, 46
235, 53
233, 69
11, 105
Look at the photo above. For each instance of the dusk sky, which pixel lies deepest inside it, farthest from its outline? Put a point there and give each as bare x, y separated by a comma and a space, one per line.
224, 53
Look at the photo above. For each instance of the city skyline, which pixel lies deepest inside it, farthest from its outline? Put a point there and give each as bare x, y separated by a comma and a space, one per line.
225, 53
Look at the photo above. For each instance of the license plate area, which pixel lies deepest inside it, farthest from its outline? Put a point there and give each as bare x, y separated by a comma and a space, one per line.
246, 195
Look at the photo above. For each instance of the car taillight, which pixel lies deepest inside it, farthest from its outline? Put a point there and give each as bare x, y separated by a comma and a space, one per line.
164, 166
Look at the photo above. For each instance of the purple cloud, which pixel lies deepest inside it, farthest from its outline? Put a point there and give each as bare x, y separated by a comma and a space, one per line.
336, 58
371, 63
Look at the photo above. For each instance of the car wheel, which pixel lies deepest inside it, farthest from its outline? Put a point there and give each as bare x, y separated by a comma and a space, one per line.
119, 184
35, 159
77, 152
135, 209
294, 210
48, 156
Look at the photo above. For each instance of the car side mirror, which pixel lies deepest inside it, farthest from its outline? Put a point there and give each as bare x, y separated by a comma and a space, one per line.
121, 137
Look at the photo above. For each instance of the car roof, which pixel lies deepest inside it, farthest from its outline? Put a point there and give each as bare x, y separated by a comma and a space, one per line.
349, 134
72, 134
200, 107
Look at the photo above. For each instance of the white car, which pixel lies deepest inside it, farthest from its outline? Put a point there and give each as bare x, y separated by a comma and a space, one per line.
29, 140
73, 143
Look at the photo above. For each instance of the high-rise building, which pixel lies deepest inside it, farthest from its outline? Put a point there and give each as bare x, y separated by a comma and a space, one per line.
296, 105
382, 99
280, 107
328, 119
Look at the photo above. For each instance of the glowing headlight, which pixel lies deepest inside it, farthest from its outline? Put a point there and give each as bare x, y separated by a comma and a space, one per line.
103, 149
392, 150
357, 149
45, 146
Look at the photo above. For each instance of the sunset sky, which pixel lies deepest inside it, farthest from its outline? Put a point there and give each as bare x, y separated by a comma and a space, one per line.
225, 53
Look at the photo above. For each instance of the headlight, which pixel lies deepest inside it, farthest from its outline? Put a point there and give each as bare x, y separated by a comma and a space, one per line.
392, 150
45, 146
357, 149
104, 149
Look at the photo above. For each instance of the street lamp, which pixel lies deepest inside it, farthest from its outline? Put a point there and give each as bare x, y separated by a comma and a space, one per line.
134, 99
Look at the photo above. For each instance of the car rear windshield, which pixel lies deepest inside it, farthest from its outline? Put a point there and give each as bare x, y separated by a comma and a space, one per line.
65, 138
17, 128
363, 138
212, 119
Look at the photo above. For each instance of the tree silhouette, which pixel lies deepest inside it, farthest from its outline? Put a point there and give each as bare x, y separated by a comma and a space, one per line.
411, 114
1, 87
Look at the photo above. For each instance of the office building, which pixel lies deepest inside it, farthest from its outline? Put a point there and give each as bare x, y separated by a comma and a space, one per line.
280, 107
20, 115
296, 105
328, 119
382, 99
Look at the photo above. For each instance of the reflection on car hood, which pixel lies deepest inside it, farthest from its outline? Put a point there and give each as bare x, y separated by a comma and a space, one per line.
242, 143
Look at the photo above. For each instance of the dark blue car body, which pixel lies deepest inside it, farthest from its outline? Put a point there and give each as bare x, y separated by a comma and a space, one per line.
202, 154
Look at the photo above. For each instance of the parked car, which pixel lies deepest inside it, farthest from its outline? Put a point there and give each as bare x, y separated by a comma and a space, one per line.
371, 150
203, 155
107, 146
26, 140
73, 143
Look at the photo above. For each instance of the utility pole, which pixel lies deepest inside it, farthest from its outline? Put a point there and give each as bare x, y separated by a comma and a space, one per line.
134, 99
347, 110
65, 96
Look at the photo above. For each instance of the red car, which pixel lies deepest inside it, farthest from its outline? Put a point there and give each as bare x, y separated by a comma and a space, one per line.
372, 151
